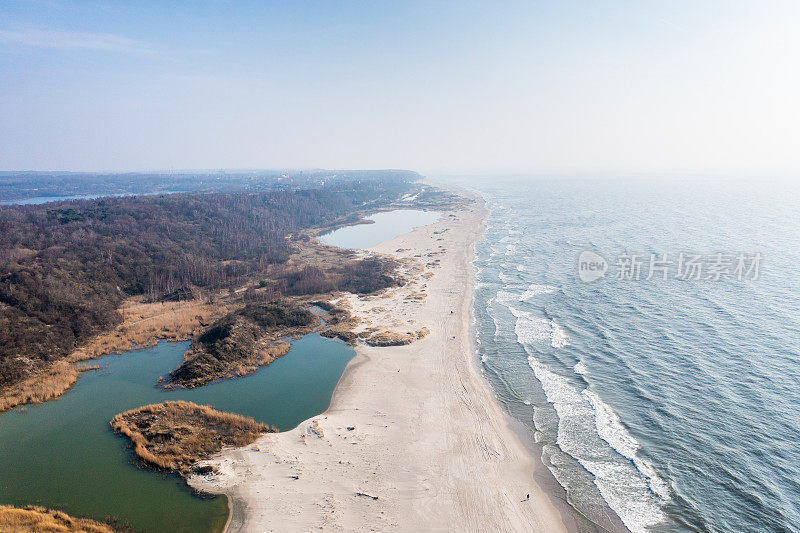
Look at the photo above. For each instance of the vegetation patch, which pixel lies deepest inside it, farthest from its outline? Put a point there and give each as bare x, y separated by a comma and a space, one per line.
36, 519
369, 275
320, 274
44, 385
340, 323
393, 338
174, 436
240, 342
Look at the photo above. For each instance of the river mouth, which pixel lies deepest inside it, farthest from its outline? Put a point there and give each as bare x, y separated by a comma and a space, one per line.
63, 454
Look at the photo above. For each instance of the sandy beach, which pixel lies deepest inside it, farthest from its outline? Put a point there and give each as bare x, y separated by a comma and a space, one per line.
413, 439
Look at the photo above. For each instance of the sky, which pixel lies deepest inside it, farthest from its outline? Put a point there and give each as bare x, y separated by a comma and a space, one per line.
457, 86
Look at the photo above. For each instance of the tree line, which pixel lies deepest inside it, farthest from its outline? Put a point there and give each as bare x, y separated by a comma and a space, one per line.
65, 268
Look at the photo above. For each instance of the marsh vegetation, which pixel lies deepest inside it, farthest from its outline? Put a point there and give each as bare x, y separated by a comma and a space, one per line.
173, 436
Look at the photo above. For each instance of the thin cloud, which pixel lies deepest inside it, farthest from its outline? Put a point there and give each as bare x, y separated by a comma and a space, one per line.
64, 40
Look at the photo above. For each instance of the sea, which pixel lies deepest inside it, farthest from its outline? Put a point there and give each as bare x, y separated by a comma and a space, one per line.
648, 333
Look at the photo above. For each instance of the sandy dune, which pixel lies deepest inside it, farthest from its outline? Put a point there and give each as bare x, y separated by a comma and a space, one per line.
413, 439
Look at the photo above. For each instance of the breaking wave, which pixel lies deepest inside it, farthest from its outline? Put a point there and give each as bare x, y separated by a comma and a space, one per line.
624, 487
590, 431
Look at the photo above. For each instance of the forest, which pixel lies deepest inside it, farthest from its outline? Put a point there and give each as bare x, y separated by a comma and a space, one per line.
66, 267
23, 187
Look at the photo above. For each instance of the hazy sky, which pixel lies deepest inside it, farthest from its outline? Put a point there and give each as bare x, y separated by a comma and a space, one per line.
431, 86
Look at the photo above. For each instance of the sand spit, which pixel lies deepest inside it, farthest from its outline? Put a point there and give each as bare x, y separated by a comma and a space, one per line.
413, 439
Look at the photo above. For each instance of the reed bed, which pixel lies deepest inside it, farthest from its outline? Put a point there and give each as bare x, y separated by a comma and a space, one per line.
145, 325
175, 435
45, 385
36, 519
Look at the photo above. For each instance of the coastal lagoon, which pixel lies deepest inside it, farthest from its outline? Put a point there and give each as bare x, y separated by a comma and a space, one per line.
384, 226
63, 453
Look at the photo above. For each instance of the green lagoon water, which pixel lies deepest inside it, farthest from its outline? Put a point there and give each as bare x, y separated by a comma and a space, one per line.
62, 454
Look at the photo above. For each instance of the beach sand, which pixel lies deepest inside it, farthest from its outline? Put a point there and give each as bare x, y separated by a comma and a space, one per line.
413, 439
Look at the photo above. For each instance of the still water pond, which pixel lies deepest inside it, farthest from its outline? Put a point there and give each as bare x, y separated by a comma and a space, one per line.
63, 454
385, 226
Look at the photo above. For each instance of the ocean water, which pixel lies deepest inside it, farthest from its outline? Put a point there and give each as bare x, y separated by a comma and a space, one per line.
661, 404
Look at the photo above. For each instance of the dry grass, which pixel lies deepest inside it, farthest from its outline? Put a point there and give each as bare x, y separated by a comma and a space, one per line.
145, 324
312, 252
175, 435
339, 323
45, 385
393, 338
30, 519
268, 355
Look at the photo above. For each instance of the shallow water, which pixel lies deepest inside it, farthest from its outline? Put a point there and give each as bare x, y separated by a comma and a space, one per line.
673, 402
387, 225
63, 454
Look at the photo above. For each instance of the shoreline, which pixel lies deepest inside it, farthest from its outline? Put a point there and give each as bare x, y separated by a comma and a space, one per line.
413, 437
543, 476
575, 520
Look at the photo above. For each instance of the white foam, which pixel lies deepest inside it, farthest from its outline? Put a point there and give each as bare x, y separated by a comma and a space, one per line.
558, 337
531, 329
620, 483
611, 430
505, 278
521, 268
507, 297
492, 313
535, 289
511, 249
580, 368
532, 291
